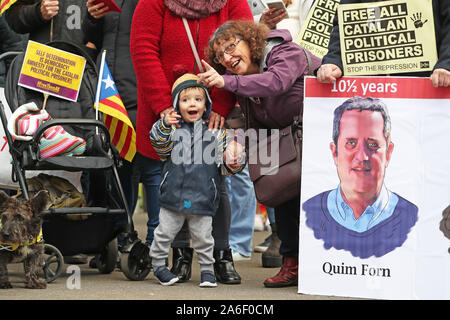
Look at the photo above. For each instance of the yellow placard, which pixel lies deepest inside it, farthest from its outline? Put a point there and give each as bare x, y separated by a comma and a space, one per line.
387, 37
316, 30
53, 71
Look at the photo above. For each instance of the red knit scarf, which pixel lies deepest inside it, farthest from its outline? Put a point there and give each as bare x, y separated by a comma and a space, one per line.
194, 9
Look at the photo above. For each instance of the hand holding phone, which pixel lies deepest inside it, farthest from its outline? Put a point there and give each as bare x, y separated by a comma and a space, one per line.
112, 6
275, 4
272, 16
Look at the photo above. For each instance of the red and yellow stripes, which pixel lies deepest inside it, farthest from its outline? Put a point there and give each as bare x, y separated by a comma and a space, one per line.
5, 4
123, 135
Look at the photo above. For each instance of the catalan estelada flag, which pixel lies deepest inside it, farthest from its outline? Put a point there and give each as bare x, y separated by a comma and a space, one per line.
5, 4
115, 116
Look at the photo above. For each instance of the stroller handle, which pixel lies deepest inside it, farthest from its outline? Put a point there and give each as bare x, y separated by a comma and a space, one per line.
5, 55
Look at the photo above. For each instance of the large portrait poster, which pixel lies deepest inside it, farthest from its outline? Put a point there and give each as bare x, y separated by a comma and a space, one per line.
387, 37
375, 184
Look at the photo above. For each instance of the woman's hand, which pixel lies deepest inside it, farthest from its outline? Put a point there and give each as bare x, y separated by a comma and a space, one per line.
98, 10
440, 78
270, 17
210, 78
49, 9
216, 121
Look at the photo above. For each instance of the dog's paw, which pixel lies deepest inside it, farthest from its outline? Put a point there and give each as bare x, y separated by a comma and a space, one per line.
5, 285
36, 285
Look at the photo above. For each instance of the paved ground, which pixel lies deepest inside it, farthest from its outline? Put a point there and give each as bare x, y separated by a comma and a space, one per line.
96, 286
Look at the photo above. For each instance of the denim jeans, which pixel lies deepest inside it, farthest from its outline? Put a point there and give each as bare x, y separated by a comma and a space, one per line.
148, 171
243, 209
270, 214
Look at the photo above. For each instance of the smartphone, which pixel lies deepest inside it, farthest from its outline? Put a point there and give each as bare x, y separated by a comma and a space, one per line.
110, 4
277, 4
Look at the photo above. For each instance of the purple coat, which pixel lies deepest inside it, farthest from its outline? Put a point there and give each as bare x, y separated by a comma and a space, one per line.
279, 87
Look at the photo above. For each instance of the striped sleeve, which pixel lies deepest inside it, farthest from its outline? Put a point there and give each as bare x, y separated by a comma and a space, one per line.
161, 138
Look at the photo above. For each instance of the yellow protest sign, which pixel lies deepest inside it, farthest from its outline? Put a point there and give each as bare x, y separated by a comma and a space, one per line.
387, 37
52, 71
316, 31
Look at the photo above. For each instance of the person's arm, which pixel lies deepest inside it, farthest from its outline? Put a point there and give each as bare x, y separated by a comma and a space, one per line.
92, 25
441, 71
25, 16
286, 63
271, 17
161, 138
333, 55
332, 67
9, 40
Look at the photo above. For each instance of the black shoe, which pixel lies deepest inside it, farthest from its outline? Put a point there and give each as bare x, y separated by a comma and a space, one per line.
224, 267
182, 263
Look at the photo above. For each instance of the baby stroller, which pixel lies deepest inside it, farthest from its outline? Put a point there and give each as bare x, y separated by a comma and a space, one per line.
106, 214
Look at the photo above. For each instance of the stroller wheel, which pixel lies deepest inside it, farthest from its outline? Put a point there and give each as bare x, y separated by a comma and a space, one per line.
136, 263
107, 259
53, 263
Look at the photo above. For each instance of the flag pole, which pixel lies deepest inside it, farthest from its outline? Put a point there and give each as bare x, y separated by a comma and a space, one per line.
97, 93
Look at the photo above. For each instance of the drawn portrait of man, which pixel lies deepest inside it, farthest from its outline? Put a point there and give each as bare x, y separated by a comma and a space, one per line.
361, 215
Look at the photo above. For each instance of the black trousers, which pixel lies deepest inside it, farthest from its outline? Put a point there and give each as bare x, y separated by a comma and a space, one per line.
287, 218
220, 224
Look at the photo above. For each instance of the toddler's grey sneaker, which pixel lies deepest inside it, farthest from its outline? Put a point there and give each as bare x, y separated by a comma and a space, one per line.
165, 277
208, 280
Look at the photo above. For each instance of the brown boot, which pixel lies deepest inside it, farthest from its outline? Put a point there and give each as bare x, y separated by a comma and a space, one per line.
287, 276
271, 258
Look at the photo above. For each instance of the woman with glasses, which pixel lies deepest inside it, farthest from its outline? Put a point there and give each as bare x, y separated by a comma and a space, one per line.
270, 90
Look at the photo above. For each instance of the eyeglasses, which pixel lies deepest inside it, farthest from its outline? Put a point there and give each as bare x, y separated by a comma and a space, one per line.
228, 50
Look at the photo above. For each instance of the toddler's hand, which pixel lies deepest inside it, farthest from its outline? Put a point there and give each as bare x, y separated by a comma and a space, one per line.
233, 154
171, 118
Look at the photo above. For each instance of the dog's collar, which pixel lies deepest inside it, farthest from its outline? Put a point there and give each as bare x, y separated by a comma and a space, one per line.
14, 246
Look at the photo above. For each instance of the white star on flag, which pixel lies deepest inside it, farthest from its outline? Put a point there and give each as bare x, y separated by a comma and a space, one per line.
109, 83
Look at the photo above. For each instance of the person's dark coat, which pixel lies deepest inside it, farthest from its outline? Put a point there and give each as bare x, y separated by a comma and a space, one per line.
24, 16
112, 33
9, 41
441, 13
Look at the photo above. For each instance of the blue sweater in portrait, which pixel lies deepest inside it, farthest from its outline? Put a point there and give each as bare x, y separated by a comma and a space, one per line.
376, 241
